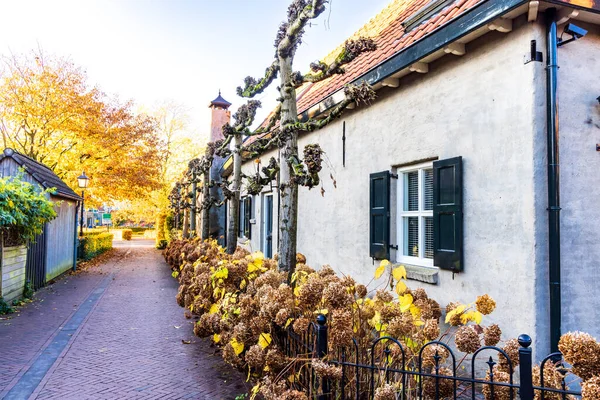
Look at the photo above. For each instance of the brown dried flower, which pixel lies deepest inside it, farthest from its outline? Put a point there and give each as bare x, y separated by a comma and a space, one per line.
590, 390
255, 357
300, 325
400, 326
361, 291
293, 395
467, 340
383, 296
336, 296
341, 328
275, 360
485, 304
553, 379
444, 386
326, 370
385, 392
429, 354
582, 351
431, 329
499, 392
491, 335
511, 347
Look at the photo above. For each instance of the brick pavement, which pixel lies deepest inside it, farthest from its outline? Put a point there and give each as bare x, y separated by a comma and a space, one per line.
129, 347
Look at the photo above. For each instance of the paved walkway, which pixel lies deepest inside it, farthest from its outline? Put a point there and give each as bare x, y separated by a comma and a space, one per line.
113, 332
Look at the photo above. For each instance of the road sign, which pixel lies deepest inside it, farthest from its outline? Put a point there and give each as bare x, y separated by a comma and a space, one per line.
106, 219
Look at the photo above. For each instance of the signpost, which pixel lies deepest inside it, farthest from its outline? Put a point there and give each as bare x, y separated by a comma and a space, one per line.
106, 219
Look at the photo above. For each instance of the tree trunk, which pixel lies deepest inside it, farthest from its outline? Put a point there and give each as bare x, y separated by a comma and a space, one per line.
186, 224
205, 209
288, 218
194, 202
234, 204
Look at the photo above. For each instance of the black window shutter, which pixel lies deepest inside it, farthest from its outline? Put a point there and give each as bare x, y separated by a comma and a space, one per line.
380, 215
448, 214
248, 210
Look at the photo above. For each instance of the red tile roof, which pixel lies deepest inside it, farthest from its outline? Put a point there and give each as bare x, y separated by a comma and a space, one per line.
387, 32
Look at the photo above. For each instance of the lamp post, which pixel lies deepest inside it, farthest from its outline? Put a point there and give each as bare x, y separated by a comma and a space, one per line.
83, 182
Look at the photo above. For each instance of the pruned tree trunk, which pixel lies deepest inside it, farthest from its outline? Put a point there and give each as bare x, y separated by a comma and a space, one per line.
234, 203
205, 205
186, 224
288, 219
193, 229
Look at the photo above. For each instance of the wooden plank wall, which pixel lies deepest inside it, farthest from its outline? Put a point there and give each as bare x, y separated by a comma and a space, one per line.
60, 238
9, 167
13, 272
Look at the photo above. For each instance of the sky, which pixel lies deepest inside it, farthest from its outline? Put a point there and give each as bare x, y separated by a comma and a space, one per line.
152, 51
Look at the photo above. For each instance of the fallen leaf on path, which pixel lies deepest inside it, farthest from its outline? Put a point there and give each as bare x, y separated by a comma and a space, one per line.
176, 327
186, 341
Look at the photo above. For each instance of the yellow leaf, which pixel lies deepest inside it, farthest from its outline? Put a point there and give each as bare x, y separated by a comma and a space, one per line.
477, 317
258, 255
192, 307
238, 347
243, 284
400, 288
214, 308
252, 267
288, 322
216, 338
399, 272
457, 310
297, 291
405, 302
264, 340
323, 311
418, 322
381, 269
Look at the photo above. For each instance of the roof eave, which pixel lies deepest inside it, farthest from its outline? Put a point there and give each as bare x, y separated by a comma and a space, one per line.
468, 22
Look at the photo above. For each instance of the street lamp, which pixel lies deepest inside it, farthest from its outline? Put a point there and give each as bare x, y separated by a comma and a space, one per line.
83, 182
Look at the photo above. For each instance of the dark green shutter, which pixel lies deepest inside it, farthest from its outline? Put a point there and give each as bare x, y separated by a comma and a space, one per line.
241, 218
448, 214
380, 215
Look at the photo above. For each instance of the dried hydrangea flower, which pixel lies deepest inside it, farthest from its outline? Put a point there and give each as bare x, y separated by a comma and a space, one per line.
383, 296
282, 317
419, 294
361, 291
499, 392
326, 370
310, 292
582, 351
455, 320
491, 335
275, 360
335, 295
230, 357
385, 392
255, 357
401, 326
389, 312
442, 386
511, 348
293, 395
485, 304
300, 325
340, 328
429, 353
590, 390
467, 340
272, 390
431, 329
553, 379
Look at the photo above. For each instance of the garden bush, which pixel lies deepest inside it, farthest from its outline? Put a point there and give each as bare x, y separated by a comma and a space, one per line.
243, 303
126, 234
94, 244
161, 240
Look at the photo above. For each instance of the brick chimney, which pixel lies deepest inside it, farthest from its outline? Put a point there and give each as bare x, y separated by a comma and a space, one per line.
220, 116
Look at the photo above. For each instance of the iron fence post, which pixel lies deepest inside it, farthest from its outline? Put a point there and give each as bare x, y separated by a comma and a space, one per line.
322, 351
525, 369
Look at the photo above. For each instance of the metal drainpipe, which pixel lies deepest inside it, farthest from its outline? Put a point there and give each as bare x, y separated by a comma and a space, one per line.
553, 178
193, 208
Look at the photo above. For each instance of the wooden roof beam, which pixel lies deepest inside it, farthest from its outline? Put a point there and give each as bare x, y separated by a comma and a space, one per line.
419, 67
501, 25
456, 48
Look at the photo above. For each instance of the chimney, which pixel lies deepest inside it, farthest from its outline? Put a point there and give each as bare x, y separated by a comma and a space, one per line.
220, 116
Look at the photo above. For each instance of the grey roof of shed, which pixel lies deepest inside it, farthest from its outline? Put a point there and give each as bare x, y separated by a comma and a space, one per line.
42, 174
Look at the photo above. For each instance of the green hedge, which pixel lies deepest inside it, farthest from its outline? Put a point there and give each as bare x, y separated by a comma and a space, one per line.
94, 243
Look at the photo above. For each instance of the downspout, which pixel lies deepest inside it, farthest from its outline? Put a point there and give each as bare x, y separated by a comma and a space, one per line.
75, 238
553, 178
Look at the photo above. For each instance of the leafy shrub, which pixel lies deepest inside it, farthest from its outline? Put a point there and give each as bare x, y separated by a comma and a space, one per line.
24, 208
160, 231
5, 308
94, 244
28, 290
127, 234
243, 302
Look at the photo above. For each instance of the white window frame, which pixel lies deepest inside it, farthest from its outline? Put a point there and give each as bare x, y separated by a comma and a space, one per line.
421, 213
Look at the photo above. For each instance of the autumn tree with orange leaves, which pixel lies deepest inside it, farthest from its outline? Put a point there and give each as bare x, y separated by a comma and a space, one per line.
49, 112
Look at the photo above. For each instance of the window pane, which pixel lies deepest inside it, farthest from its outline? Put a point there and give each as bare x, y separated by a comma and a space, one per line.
428, 237
411, 236
411, 191
428, 189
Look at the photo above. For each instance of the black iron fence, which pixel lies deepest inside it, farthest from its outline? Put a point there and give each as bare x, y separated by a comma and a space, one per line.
388, 369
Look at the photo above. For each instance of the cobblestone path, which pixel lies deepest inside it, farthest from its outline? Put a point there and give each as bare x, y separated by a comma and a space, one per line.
114, 332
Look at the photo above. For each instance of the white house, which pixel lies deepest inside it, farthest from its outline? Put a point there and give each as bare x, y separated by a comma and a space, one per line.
469, 168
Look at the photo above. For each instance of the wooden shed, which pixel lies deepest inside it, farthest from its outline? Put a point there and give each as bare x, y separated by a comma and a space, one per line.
54, 251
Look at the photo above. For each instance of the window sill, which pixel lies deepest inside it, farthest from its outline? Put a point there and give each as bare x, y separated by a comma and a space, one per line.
422, 274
